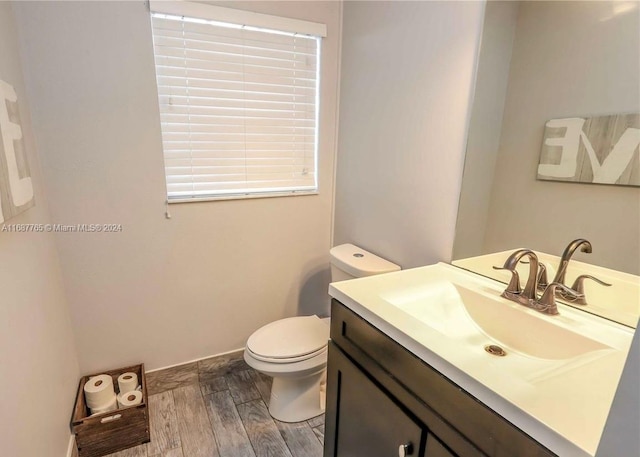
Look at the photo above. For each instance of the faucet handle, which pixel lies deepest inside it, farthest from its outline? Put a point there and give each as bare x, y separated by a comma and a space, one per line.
514, 283
547, 303
578, 284
576, 295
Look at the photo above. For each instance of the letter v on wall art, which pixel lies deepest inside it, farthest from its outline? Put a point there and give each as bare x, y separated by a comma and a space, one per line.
16, 188
598, 150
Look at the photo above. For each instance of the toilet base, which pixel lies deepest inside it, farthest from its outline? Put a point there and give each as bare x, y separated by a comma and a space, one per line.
296, 399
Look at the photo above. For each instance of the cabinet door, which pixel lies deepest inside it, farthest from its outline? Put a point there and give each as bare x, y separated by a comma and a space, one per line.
435, 448
362, 420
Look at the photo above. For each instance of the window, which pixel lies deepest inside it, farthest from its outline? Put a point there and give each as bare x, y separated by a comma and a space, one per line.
238, 95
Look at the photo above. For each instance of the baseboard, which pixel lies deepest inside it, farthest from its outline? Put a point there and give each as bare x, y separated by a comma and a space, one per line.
71, 449
195, 360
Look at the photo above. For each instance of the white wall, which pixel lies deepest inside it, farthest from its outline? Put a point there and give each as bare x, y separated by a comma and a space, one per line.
38, 365
485, 126
406, 78
163, 291
569, 59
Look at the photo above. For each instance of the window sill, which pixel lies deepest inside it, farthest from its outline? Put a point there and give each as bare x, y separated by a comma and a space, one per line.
210, 198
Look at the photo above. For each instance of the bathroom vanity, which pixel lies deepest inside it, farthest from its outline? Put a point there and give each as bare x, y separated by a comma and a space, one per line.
408, 374
382, 397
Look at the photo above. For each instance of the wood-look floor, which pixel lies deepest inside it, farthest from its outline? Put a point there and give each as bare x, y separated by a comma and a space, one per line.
218, 408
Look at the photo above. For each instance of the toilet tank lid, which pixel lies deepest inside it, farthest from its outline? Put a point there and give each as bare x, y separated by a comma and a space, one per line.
358, 262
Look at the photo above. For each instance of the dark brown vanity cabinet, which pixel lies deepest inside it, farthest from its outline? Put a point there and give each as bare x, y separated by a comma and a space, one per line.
382, 401
370, 422
383, 428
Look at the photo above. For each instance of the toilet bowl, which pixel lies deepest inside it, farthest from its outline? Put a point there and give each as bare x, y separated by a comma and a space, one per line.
294, 350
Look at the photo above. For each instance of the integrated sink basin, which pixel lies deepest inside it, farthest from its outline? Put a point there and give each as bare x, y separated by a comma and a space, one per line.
552, 376
477, 319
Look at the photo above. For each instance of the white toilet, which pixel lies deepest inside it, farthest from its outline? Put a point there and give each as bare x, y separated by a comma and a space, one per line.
294, 350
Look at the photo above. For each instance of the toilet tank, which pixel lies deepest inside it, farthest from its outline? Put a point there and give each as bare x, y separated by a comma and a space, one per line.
349, 262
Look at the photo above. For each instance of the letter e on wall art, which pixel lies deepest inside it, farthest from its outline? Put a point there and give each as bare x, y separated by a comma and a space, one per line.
16, 188
599, 150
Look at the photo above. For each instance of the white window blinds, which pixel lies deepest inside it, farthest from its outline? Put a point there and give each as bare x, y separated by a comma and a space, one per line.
238, 108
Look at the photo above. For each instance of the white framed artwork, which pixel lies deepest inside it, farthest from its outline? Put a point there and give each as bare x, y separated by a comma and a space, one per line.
16, 188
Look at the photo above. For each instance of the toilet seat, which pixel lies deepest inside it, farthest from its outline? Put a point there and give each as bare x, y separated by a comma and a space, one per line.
300, 368
289, 340
287, 360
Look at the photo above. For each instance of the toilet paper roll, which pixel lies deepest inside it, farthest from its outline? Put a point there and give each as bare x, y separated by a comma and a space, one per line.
129, 399
98, 391
111, 405
127, 382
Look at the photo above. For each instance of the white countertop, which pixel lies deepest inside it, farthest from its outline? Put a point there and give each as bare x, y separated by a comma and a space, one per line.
565, 412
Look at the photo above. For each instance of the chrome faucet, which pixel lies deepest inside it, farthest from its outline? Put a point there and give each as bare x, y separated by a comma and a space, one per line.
566, 256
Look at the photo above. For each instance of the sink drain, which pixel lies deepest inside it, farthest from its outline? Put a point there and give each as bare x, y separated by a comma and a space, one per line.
495, 350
